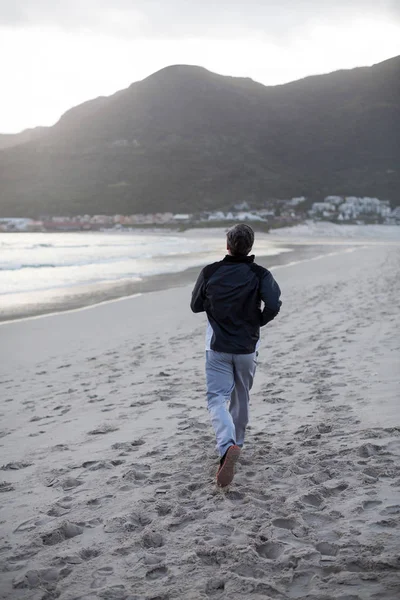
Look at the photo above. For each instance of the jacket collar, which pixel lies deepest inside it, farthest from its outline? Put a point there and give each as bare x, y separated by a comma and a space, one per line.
239, 259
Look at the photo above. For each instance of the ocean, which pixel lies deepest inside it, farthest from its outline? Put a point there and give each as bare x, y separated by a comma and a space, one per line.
35, 267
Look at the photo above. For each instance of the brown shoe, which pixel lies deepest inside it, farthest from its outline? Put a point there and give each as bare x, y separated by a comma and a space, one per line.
226, 470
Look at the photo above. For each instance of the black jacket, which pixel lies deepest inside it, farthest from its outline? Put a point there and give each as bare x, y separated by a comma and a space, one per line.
231, 291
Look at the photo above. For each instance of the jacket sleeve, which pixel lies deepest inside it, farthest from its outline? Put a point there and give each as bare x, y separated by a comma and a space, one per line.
270, 294
198, 294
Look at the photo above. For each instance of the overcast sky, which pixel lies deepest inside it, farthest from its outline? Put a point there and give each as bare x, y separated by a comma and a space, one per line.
58, 53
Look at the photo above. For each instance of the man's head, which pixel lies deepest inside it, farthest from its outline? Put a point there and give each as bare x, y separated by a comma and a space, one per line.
240, 240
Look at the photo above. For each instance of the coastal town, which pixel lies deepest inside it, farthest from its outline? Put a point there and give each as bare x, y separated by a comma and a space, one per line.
276, 213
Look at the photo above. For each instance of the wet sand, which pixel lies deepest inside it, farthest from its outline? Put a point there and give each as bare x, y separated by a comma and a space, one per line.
76, 297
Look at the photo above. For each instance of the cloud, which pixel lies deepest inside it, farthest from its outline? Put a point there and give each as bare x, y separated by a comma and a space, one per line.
272, 19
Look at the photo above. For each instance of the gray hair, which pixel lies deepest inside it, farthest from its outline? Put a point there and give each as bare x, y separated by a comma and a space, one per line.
240, 239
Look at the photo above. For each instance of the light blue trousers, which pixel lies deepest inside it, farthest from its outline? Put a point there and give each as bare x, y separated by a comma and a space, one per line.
229, 381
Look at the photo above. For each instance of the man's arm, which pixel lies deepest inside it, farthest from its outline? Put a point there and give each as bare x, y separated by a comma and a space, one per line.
270, 294
198, 294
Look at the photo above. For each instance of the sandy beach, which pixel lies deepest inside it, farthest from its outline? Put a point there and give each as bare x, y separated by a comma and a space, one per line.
108, 460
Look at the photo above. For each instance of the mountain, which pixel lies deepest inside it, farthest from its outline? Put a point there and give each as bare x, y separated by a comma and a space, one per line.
186, 139
8, 140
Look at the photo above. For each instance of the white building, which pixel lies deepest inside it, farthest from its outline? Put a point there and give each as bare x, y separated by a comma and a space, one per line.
247, 216
296, 201
182, 217
335, 200
323, 209
16, 224
350, 207
240, 216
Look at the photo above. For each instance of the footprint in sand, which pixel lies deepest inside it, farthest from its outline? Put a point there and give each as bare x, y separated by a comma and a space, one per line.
391, 510
215, 586
157, 573
36, 418
61, 507
6, 486
15, 466
211, 557
152, 539
108, 408
370, 504
84, 555
97, 465
137, 472
135, 521
332, 488
181, 523
71, 483
60, 447
368, 450
285, 523
235, 496
100, 577
36, 434
128, 446
314, 499
97, 502
271, 550
163, 508
65, 532
42, 578
103, 429
31, 524
327, 549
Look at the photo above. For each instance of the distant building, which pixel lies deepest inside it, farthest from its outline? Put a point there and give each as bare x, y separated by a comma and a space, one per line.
324, 209
351, 208
266, 212
182, 217
231, 216
220, 216
15, 224
335, 200
249, 216
296, 201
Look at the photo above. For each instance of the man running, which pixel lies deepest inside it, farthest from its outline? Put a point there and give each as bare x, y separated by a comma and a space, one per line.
230, 292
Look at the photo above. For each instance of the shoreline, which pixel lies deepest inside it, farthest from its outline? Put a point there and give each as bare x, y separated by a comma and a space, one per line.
84, 297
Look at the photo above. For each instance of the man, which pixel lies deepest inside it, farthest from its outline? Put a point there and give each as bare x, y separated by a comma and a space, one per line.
230, 292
